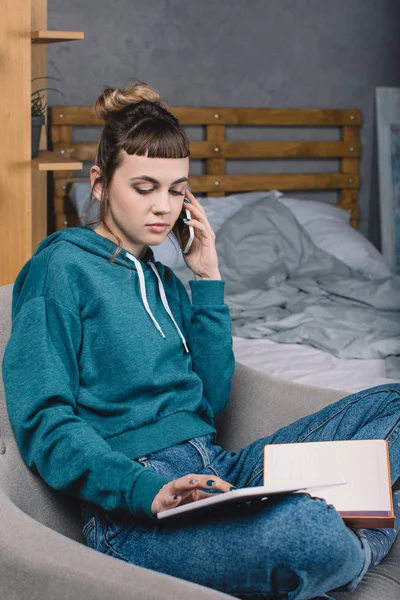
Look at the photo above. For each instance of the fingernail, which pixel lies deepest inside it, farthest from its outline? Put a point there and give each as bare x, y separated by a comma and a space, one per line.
177, 496
193, 481
186, 220
186, 200
210, 482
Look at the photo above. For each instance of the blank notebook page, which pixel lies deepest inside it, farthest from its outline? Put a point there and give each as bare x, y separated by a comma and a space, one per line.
363, 463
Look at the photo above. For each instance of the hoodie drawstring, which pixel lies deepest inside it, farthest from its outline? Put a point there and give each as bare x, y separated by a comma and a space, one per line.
162, 294
166, 305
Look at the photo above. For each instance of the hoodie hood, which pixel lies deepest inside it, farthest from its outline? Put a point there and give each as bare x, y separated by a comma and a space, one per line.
87, 239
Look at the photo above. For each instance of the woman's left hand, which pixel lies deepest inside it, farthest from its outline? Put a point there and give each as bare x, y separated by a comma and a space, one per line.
202, 257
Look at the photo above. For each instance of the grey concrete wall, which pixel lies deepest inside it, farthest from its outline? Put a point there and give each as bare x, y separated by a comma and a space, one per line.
259, 53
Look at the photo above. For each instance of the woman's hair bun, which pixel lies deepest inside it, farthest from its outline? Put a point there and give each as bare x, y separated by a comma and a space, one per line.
112, 100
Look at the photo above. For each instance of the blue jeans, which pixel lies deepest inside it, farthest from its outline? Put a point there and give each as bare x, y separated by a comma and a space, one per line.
295, 547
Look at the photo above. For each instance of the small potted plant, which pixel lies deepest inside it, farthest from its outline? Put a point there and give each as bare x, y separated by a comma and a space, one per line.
38, 111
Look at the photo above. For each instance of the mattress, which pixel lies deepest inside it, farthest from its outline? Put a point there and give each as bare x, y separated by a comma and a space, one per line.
310, 366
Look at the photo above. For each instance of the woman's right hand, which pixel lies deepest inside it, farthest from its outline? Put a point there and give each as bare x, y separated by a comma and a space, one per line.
187, 489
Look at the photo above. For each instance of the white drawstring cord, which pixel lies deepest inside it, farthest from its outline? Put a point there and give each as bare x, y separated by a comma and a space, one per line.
166, 305
143, 291
162, 294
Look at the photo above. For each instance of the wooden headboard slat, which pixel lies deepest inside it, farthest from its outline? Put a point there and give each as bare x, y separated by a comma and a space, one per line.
83, 115
247, 183
86, 151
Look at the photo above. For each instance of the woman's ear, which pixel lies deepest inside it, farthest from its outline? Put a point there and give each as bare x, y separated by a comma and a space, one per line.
95, 182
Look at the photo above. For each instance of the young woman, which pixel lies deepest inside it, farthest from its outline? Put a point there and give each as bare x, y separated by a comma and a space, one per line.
113, 377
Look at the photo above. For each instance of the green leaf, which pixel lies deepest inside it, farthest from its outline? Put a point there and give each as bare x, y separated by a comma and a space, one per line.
55, 78
44, 89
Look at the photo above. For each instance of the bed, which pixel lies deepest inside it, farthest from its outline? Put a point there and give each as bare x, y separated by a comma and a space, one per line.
311, 299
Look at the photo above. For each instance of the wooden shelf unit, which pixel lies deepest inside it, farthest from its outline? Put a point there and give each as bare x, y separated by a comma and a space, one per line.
23, 181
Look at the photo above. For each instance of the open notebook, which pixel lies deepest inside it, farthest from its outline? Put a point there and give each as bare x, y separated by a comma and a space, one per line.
352, 475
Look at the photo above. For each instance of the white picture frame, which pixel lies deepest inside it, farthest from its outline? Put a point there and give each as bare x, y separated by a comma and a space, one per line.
388, 130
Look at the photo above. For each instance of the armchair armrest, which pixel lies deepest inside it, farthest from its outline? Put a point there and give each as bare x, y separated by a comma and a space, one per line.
260, 404
41, 564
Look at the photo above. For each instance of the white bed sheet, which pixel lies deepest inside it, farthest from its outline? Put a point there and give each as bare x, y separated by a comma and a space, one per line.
308, 365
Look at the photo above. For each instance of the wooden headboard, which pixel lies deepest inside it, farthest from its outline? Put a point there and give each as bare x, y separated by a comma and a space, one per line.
216, 149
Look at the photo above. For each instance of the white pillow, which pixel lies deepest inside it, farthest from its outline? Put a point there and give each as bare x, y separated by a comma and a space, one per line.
218, 210
79, 195
328, 227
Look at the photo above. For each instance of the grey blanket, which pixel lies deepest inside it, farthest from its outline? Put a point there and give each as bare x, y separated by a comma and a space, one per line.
281, 286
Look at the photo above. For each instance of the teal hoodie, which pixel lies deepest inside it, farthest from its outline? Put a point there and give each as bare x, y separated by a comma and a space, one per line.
108, 362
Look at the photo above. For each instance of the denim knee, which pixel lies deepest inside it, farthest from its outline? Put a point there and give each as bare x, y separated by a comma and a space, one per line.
313, 551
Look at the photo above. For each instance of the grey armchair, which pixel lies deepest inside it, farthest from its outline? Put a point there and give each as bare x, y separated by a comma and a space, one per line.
43, 555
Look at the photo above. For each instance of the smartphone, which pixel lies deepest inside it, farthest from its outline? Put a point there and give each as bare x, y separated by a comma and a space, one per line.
185, 233
187, 240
